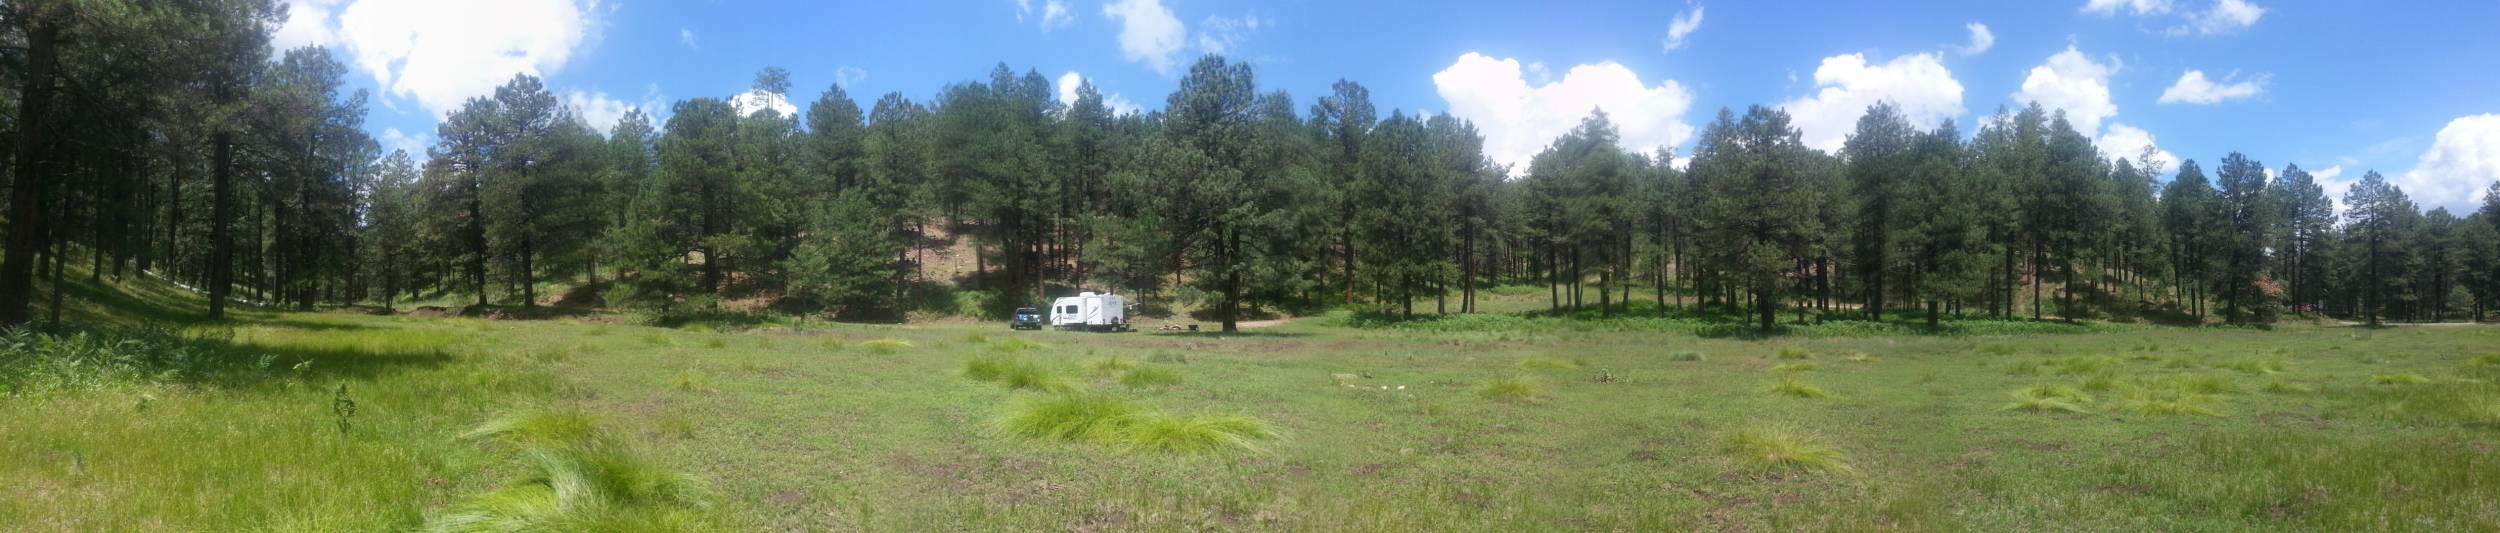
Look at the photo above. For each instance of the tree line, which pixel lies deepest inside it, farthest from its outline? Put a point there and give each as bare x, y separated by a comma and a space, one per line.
169, 138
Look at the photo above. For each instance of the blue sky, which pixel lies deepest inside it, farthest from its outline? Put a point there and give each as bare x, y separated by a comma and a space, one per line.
2411, 90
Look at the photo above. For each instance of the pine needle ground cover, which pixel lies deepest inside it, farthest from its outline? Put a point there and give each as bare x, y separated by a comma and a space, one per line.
1312, 426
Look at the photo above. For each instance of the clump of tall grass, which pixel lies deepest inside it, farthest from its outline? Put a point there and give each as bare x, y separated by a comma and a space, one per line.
1512, 388
1797, 389
1109, 366
2485, 360
1792, 367
2207, 384
886, 346
1104, 420
2050, 399
2399, 379
1149, 377
2288, 387
1685, 356
1200, 433
691, 380
2446, 403
2168, 401
1547, 363
1778, 449
1792, 352
1014, 373
2023, 368
2076, 366
573, 479
1012, 345
2257, 367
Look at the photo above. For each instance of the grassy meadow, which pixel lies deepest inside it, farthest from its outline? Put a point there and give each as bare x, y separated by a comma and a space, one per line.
595, 423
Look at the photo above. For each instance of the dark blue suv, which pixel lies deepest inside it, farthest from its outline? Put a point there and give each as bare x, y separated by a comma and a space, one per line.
1026, 318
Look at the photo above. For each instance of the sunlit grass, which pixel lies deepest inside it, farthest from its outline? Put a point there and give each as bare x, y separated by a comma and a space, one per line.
1778, 449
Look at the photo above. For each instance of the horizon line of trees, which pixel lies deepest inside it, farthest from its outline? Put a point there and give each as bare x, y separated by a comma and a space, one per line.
160, 137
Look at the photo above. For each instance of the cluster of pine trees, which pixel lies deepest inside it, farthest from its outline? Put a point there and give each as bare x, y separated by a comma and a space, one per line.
160, 137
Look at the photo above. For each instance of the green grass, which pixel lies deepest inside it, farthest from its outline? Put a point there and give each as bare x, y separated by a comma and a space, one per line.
1512, 388
1792, 367
1774, 449
2399, 379
1546, 363
886, 346
1792, 352
1150, 377
230, 427
1014, 372
1796, 389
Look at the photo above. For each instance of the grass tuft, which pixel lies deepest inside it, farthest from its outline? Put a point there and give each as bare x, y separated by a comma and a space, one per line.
1149, 377
1774, 449
2050, 399
2288, 387
1167, 357
1014, 373
1108, 366
1107, 421
2254, 367
2399, 379
1514, 388
2158, 401
1686, 356
1797, 389
1547, 363
691, 380
1792, 352
886, 346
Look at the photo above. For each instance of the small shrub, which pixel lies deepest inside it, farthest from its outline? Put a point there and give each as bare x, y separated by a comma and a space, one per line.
1792, 352
1547, 363
2399, 379
1792, 367
1797, 389
1780, 449
1516, 389
886, 346
1685, 356
1149, 377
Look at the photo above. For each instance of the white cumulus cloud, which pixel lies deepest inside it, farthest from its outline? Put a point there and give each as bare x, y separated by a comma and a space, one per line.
1220, 34
1054, 13
601, 112
1068, 83
1149, 34
747, 103
2075, 83
2462, 161
1683, 25
1918, 84
440, 52
2194, 88
686, 37
2225, 17
1980, 39
2129, 143
2140, 7
393, 139
1518, 118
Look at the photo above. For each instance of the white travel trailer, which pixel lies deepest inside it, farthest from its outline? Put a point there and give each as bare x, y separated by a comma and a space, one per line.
1090, 312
